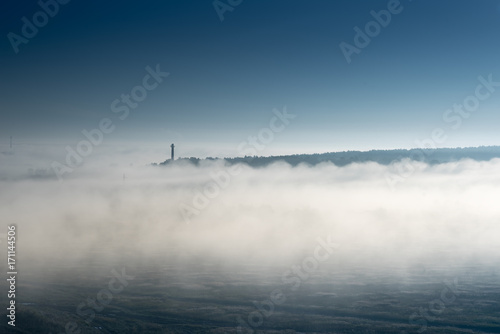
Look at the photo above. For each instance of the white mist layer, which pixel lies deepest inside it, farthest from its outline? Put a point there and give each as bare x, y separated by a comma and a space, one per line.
441, 214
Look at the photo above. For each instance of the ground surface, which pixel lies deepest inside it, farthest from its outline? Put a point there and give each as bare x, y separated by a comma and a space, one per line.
207, 298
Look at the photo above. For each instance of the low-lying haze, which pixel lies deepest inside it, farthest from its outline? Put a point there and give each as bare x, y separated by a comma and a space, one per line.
438, 215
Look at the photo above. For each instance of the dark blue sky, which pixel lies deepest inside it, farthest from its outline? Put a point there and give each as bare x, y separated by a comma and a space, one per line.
227, 76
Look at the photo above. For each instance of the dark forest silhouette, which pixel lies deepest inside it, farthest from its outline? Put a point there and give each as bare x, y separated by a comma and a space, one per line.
383, 157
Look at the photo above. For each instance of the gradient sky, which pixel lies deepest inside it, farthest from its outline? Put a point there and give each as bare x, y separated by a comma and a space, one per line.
227, 76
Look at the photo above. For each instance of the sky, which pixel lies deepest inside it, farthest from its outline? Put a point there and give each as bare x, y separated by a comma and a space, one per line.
234, 65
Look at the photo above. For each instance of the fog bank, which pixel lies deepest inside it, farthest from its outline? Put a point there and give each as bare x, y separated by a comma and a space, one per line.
442, 214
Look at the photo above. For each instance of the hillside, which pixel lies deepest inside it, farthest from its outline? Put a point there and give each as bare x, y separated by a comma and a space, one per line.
384, 157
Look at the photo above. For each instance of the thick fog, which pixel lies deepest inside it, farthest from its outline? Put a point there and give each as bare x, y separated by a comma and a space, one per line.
110, 207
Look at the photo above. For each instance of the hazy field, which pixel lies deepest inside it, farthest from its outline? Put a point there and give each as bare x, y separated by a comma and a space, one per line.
280, 249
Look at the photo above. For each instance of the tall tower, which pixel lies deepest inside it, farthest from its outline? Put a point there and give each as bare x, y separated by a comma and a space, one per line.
172, 152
